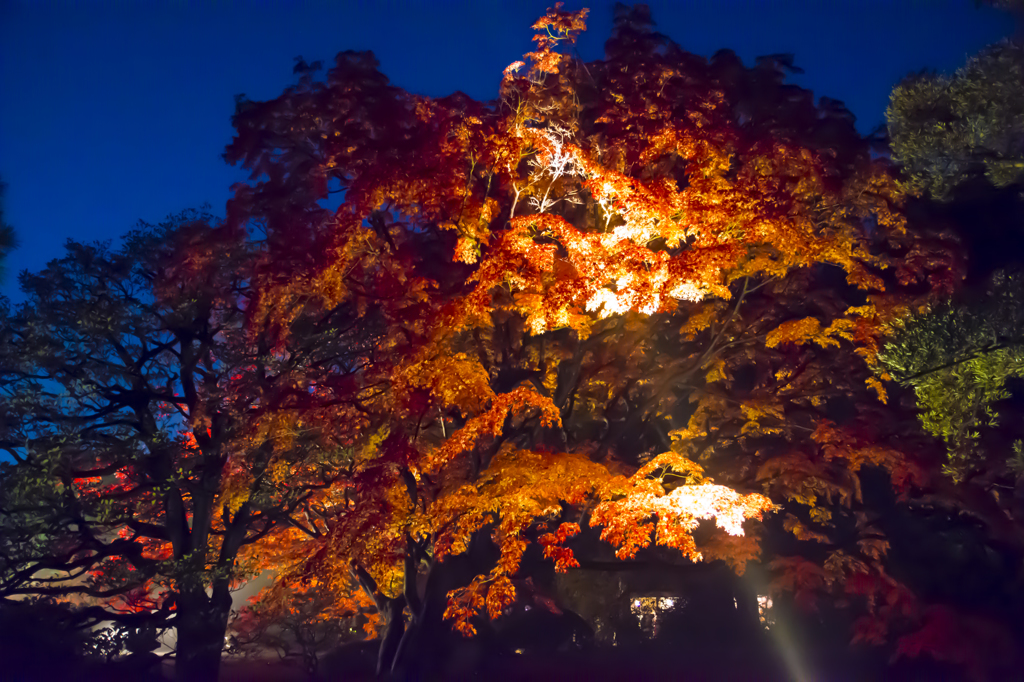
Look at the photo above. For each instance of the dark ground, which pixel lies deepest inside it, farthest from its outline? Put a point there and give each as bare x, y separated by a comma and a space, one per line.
601, 665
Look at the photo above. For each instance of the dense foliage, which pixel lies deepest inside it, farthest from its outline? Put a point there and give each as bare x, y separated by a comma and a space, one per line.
947, 129
959, 358
134, 398
617, 281
653, 310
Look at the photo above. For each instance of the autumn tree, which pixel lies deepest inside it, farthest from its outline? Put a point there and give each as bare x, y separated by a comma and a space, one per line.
139, 457
638, 297
303, 621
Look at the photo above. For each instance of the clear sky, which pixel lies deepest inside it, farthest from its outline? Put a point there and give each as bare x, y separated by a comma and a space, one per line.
116, 111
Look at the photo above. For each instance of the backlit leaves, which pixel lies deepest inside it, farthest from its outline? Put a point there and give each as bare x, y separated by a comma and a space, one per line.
586, 298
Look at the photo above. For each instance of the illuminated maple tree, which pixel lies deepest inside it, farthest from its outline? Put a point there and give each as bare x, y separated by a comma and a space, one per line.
632, 295
638, 304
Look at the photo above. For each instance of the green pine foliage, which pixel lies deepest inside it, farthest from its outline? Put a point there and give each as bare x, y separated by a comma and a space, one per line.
958, 358
949, 129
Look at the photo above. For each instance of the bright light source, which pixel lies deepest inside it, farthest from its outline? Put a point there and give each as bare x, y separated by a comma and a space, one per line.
764, 606
648, 611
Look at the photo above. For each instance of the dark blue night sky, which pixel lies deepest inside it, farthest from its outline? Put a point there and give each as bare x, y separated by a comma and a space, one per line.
111, 112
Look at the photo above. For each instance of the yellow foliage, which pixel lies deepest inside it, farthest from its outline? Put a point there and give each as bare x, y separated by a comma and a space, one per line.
490, 424
717, 372
756, 412
875, 385
801, 531
700, 320
808, 330
455, 380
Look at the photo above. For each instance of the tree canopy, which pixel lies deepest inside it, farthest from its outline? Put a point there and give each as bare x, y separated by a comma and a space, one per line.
959, 140
614, 299
134, 398
653, 309
947, 130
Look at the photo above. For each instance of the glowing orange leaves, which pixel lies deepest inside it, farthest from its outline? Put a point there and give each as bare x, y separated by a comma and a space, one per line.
554, 548
678, 514
519, 488
453, 379
808, 330
556, 26
490, 594
490, 424
604, 274
512, 68
557, 282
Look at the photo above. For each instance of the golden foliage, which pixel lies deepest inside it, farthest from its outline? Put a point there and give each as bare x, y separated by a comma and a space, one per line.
543, 278
490, 424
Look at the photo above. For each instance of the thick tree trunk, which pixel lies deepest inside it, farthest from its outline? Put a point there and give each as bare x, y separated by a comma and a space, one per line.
427, 644
413, 654
395, 617
201, 623
428, 639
